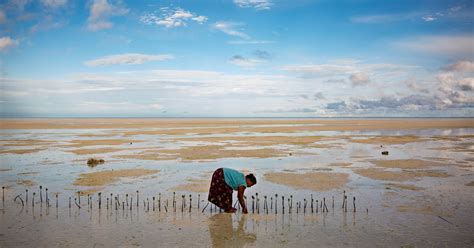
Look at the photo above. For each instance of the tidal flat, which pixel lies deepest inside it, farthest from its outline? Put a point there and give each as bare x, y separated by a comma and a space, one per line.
419, 195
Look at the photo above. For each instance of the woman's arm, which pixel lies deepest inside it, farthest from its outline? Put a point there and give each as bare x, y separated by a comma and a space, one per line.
240, 196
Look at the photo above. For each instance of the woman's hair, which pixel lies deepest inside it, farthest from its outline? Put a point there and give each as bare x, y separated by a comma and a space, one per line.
252, 178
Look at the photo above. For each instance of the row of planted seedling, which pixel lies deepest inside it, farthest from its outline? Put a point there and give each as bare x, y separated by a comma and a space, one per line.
127, 202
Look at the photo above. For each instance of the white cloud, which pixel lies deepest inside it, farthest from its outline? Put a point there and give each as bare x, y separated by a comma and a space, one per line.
428, 18
244, 62
94, 106
313, 70
250, 42
453, 12
101, 11
359, 79
383, 18
444, 45
231, 28
171, 18
257, 4
128, 58
463, 66
7, 42
54, 3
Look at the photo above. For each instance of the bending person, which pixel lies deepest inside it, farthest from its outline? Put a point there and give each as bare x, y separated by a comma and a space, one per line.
224, 182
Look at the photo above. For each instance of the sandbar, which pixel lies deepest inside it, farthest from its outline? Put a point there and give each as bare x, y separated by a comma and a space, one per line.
340, 164
27, 183
86, 151
400, 176
381, 140
101, 142
204, 153
262, 140
198, 186
110, 176
404, 186
20, 151
405, 163
317, 181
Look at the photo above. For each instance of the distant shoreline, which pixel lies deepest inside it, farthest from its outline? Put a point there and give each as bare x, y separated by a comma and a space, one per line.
271, 125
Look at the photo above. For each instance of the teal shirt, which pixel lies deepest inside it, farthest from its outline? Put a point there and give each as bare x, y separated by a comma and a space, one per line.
234, 178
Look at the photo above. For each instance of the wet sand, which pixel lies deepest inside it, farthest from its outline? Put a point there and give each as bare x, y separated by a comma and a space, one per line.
20, 151
404, 175
204, 153
405, 163
193, 185
100, 178
317, 181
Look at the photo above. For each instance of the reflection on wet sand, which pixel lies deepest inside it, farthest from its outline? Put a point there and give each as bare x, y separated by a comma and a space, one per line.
223, 233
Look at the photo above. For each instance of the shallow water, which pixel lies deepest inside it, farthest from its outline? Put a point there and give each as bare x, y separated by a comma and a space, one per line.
440, 214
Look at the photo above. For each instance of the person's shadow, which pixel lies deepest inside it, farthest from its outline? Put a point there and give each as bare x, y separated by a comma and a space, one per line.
224, 235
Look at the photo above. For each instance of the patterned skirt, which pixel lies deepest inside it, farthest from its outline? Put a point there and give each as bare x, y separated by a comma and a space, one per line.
220, 193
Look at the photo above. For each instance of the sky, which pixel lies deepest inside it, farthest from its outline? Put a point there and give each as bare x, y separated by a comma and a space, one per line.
236, 58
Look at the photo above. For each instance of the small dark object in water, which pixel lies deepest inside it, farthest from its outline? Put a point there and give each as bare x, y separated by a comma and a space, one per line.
385, 153
3, 193
92, 162
290, 154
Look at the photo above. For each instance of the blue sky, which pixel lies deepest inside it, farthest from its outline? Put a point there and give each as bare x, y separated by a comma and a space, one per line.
242, 58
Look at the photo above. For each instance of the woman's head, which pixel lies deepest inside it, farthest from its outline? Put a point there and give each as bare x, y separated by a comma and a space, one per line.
251, 180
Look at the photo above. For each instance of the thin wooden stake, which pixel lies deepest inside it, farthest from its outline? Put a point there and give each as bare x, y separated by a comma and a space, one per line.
41, 195
354, 203
253, 204
345, 205
100, 200
283, 203
343, 199
276, 203
137, 198
159, 202
47, 199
